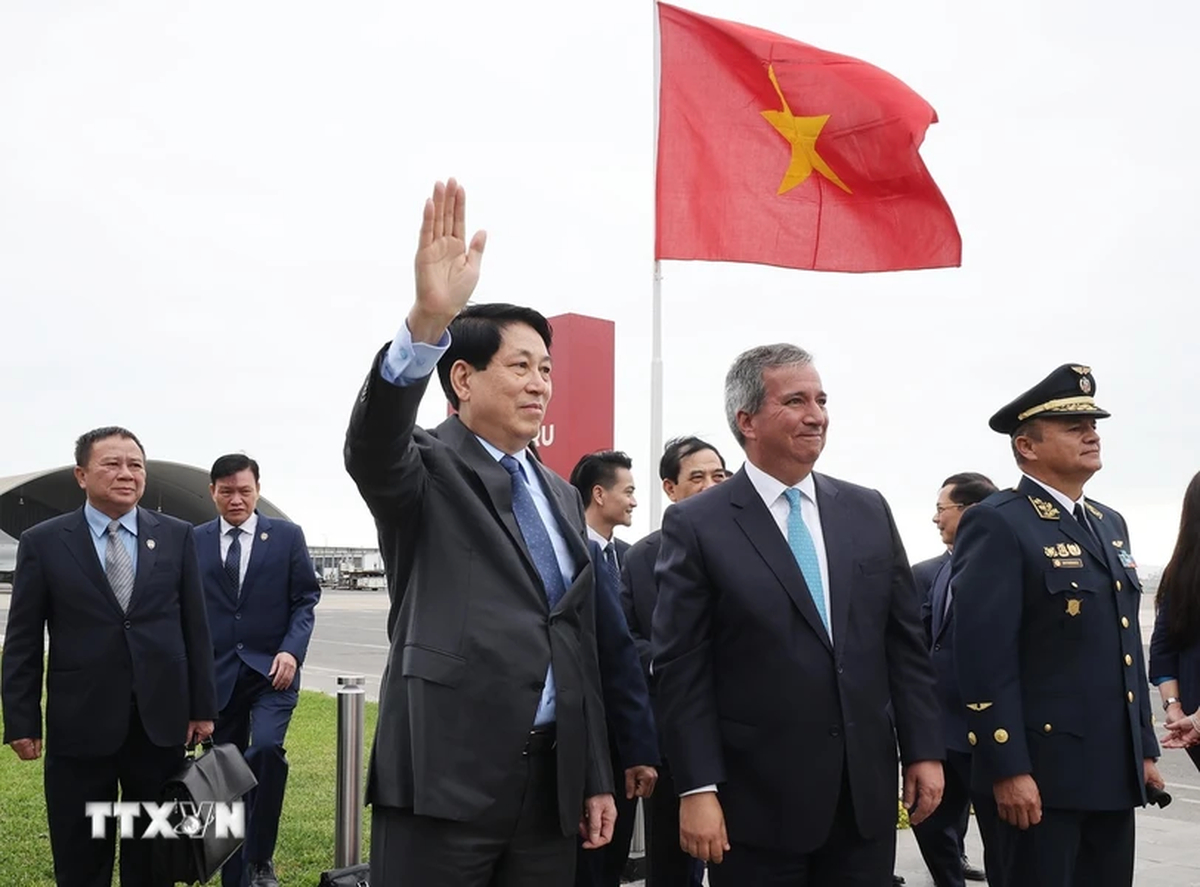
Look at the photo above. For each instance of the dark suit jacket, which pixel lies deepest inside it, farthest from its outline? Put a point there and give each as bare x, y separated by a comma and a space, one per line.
471, 631
753, 696
639, 593
1049, 652
631, 731
1169, 659
100, 658
273, 614
924, 572
940, 632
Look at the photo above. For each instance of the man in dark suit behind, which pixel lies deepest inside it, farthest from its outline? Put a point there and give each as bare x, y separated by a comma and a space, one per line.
261, 590
130, 676
940, 837
605, 483
787, 631
688, 466
490, 749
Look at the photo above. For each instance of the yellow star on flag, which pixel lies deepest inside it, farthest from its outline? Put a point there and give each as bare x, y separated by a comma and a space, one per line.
802, 133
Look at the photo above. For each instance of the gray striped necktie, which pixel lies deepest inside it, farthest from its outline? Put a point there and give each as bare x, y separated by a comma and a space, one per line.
119, 566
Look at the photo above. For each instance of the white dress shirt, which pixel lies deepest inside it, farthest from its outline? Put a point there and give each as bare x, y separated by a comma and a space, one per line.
249, 525
771, 491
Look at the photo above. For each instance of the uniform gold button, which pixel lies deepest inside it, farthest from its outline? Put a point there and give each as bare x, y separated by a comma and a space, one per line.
1129, 696
1153, 720
1124, 621
1001, 736
1128, 659
971, 738
1046, 728
1118, 585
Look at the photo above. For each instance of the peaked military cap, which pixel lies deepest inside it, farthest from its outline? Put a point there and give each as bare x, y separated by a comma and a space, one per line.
1065, 392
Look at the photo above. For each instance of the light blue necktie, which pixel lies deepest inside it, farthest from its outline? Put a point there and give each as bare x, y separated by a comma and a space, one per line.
537, 540
805, 553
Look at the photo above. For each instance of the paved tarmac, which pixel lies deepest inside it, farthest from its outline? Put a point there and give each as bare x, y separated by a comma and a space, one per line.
351, 638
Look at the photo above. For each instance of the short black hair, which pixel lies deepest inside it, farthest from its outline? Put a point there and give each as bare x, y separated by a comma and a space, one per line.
475, 337
678, 449
969, 487
231, 464
83, 445
598, 468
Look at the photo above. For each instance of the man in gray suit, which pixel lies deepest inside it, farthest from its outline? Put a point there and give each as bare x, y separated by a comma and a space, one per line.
490, 749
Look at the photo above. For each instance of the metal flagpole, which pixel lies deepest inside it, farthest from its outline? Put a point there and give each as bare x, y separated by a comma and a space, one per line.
656, 367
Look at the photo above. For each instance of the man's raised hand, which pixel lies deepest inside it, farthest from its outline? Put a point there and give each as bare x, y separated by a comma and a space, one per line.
447, 270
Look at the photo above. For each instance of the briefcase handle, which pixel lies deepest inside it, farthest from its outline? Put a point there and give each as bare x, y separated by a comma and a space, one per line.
206, 744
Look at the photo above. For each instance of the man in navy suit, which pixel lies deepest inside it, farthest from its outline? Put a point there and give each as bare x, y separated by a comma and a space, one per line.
688, 466
788, 654
261, 590
940, 837
605, 483
130, 675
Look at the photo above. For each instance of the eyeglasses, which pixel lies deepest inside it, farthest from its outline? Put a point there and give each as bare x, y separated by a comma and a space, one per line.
941, 508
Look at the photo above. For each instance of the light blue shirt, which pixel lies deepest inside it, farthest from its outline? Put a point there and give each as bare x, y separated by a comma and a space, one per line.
98, 524
407, 362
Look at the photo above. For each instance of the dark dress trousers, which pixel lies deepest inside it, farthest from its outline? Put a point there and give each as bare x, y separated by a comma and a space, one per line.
121, 687
1051, 672
271, 613
798, 733
460, 791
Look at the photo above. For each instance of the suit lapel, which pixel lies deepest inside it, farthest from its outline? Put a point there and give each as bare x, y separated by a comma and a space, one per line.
147, 551
837, 527
755, 520
496, 484
1104, 531
78, 538
937, 599
259, 552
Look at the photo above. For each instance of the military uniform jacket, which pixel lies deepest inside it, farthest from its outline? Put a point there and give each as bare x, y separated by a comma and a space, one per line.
1049, 650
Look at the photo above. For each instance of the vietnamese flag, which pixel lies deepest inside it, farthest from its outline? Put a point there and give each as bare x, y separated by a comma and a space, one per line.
776, 152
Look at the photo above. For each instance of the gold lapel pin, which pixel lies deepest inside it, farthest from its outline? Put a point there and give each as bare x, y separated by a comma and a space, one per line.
150, 543
263, 537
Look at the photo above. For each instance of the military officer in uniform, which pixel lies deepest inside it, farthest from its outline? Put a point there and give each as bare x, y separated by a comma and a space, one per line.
1049, 651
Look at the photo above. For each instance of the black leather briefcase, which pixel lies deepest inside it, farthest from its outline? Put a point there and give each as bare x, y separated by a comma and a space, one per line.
351, 876
219, 775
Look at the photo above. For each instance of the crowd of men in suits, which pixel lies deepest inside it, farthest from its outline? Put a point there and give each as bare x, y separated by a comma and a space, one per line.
160, 636
752, 672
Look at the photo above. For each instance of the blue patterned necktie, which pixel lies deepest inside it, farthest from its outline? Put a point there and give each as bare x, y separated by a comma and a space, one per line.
233, 559
537, 540
610, 559
805, 553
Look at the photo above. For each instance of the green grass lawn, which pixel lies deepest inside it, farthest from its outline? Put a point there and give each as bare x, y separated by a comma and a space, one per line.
305, 846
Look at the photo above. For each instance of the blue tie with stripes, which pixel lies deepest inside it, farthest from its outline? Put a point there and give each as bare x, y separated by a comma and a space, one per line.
800, 541
537, 540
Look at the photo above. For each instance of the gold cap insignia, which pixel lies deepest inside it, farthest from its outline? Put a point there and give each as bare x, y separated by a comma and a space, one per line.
1073, 605
1083, 371
979, 706
1001, 736
1094, 511
1075, 550
263, 536
1050, 551
1085, 384
1045, 510
150, 543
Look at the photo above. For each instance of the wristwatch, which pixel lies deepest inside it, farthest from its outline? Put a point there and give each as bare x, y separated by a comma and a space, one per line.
1169, 701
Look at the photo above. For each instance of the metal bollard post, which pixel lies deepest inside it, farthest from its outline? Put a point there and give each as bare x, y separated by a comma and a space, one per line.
347, 826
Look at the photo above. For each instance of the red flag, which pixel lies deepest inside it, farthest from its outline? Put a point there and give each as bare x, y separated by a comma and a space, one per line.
776, 152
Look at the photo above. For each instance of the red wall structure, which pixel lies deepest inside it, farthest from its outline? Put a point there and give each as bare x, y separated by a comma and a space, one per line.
579, 419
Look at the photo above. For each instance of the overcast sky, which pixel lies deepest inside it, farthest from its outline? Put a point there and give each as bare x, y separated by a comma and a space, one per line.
208, 213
